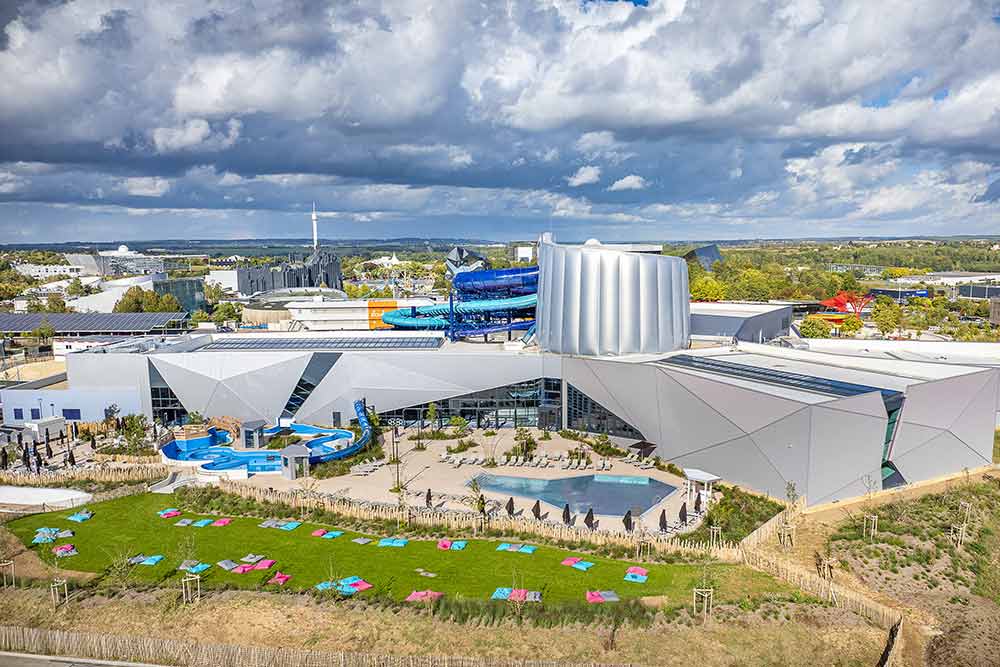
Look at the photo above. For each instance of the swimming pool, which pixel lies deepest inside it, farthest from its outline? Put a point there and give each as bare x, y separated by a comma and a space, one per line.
333, 443
606, 494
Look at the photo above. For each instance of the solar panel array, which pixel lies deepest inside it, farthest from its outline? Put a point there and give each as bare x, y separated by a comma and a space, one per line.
771, 376
90, 322
358, 343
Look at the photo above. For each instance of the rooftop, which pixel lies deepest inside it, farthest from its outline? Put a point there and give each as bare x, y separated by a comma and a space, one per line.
92, 323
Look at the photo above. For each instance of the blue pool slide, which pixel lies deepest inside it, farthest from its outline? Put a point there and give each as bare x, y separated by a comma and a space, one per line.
329, 446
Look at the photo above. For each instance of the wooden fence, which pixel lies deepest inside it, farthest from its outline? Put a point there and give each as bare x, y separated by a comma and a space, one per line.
190, 654
103, 473
769, 529
460, 523
152, 459
878, 613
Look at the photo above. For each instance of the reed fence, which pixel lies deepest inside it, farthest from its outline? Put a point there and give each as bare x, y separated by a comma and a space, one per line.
769, 529
151, 459
852, 600
181, 653
102, 473
459, 523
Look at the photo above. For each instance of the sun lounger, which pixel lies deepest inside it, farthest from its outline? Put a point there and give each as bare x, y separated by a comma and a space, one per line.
221, 522
501, 594
265, 564
610, 596
135, 560
583, 565
361, 540
636, 578
458, 545
251, 558
199, 568
533, 596
227, 565
330, 534
291, 525
518, 595
242, 569
318, 533
201, 523
184, 522
594, 597
444, 545
152, 560
635, 569
187, 565
279, 579
571, 561
565, 465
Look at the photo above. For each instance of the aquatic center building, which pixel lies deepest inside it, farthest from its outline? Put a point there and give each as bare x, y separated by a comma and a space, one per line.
614, 357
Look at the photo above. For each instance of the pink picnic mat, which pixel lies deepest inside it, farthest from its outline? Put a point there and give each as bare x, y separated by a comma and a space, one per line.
444, 545
571, 561
635, 569
279, 579
264, 565
220, 522
594, 597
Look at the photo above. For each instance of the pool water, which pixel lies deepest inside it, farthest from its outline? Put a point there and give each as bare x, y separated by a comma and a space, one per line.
333, 443
606, 494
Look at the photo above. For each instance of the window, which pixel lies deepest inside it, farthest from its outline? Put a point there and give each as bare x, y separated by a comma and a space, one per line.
72, 414
36, 414
18, 413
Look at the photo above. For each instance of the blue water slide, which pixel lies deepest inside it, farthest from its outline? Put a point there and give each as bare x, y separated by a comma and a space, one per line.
487, 302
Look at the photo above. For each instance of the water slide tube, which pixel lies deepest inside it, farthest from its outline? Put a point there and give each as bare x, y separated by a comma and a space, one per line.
486, 299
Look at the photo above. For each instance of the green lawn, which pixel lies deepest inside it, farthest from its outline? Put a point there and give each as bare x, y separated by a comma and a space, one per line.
131, 524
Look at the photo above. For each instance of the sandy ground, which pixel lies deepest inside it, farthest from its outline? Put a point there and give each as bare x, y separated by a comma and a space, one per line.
811, 636
36, 371
424, 470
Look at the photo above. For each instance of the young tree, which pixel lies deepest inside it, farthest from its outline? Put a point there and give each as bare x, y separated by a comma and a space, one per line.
459, 425
56, 304
432, 415
887, 316
76, 288
44, 331
707, 288
135, 428
851, 325
815, 327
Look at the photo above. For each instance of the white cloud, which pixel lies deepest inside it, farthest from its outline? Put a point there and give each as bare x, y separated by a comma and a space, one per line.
584, 176
10, 182
195, 134
146, 186
630, 182
444, 155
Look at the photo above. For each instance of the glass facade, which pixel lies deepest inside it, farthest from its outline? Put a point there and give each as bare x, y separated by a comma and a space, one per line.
536, 403
166, 406
585, 414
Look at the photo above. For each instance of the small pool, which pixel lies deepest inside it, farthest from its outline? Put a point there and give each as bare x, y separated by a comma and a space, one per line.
606, 494
332, 443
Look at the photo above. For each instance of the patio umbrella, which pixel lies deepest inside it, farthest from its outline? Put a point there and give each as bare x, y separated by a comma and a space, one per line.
627, 520
536, 510
510, 506
697, 503
24, 458
48, 449
38, 462
47, 436
72, 459
683, 514
588, 520
663, 520
566, 517
3, 459
427, 498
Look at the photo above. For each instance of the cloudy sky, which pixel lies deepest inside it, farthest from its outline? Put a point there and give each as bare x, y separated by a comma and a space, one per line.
138, 119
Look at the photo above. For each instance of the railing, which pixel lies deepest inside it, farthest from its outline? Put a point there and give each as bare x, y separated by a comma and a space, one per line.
191, 654
469, 522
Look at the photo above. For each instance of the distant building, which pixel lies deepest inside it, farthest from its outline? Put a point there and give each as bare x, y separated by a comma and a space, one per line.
707, 256
995, 311
522, 251
863, 269
950, 278
43, 271
747, 322
321, 269
384, 262
123, 261
189, 292
978, 291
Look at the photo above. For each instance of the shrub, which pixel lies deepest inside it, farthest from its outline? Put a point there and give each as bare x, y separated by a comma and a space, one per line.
462, 446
